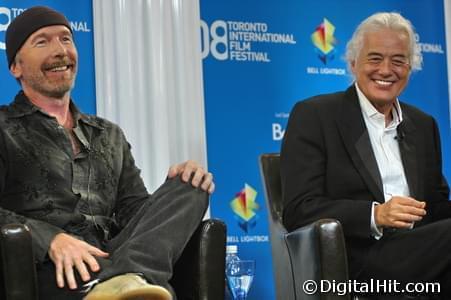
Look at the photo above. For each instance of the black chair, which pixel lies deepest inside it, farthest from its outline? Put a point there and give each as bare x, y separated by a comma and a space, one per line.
314, 252
198, 274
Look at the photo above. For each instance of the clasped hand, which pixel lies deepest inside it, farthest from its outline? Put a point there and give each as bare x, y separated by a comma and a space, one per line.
399, 212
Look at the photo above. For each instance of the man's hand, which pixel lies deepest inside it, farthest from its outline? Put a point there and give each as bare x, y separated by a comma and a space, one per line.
201, 177
67, 252
399, 212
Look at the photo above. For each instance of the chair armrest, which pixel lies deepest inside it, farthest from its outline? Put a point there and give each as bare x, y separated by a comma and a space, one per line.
317, 252
200, 271
17, 263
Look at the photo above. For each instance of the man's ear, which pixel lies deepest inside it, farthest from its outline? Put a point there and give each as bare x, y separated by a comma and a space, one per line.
352, 64
15, 69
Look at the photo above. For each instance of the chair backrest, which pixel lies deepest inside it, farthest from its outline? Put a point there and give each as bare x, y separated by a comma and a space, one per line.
270, 171
313, 252
283, 274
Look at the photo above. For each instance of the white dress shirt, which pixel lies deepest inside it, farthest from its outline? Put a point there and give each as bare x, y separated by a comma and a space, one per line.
386, 150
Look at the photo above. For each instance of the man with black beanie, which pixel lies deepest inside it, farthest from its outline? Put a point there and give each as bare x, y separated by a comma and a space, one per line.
72, 180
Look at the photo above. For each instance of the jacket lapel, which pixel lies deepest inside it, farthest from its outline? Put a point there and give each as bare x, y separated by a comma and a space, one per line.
408, 149
357, 142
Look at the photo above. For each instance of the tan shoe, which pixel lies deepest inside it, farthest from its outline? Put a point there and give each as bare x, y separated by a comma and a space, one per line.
128, 287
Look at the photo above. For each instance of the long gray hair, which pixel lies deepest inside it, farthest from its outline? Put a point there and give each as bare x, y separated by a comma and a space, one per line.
383, 20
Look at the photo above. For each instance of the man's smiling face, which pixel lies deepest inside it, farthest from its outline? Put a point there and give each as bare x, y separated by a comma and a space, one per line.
382, 66
47, 62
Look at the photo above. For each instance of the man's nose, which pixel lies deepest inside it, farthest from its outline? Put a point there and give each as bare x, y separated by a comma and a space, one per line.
58, 48
385, 67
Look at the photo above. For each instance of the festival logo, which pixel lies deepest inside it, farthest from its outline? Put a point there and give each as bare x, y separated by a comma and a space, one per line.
240, 41
245, 207
324, 41
7, 14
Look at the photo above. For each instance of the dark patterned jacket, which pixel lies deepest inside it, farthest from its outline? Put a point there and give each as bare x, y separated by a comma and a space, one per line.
51, 190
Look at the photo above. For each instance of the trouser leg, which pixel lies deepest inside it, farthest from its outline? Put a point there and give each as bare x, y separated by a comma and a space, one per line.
156, 236
47, 284
419, 255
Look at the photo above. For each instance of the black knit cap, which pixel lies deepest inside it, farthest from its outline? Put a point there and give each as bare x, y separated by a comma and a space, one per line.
31, 20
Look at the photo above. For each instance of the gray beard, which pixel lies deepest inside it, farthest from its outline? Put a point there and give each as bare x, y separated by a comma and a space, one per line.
55, 91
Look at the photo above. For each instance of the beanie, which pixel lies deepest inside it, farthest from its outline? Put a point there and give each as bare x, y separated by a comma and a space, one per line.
25, 24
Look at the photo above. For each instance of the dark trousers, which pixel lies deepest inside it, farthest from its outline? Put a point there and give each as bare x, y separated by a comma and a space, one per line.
420, 255
150, 244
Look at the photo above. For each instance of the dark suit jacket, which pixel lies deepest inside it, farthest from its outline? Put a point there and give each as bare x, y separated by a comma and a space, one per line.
329, 170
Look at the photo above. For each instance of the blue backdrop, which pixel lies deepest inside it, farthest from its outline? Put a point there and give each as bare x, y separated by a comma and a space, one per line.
259, 59
79, 13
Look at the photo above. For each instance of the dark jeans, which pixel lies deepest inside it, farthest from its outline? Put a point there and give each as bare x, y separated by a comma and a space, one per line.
150, 244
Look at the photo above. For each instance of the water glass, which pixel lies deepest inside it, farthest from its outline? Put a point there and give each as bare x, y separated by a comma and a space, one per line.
239, 278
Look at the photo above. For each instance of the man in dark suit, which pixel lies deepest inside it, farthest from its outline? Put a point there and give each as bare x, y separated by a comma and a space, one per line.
373, 163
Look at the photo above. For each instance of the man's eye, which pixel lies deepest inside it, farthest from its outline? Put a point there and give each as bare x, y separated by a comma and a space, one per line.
41, 43
67, 39
375, 60
399, 62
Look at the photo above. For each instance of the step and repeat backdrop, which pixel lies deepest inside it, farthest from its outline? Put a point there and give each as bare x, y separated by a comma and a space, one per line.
262, 56
79, 14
